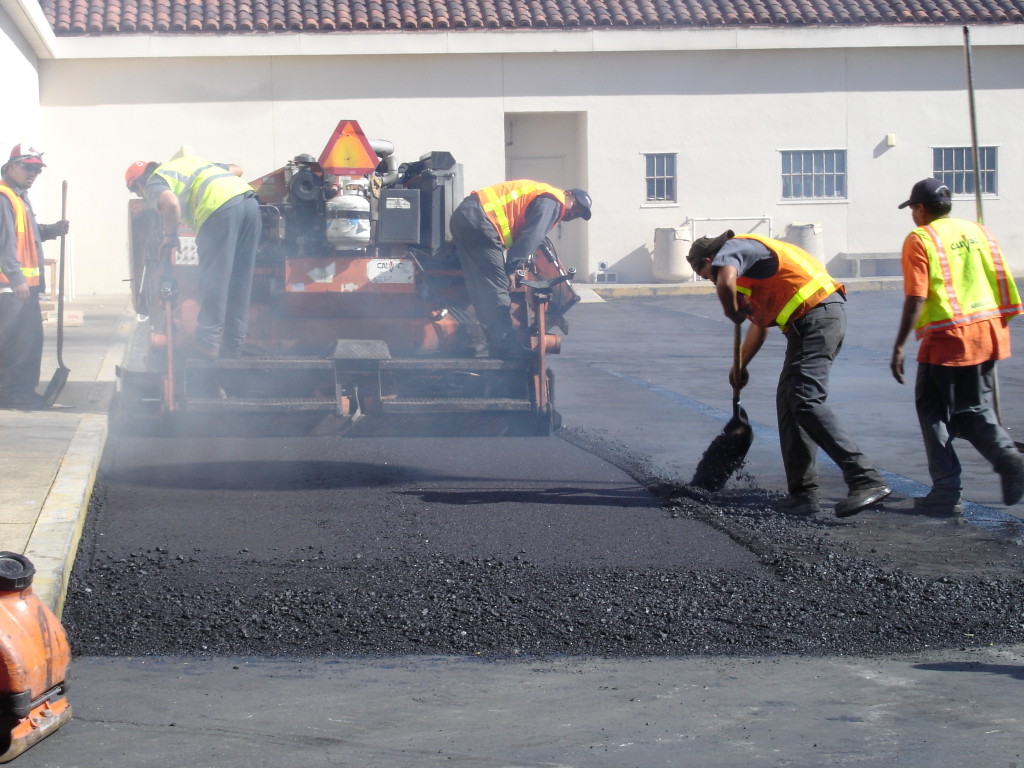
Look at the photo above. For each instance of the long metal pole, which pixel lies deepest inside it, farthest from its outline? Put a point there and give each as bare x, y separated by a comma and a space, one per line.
974, 125
996, 404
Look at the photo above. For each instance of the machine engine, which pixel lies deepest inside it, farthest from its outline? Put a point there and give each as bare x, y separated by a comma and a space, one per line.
359, 317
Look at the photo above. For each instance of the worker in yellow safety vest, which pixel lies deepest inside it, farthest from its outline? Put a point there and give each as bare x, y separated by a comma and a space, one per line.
223, 211
959, 296
496, 229
772, 282
22, 280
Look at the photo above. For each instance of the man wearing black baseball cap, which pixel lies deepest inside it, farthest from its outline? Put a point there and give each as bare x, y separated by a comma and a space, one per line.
927, 192
773, 282
959, 296
513, 215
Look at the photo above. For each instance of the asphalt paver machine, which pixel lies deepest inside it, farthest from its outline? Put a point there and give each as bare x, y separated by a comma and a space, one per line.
360, 323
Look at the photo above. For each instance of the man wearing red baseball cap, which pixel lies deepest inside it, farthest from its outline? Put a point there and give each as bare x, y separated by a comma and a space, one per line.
21, 280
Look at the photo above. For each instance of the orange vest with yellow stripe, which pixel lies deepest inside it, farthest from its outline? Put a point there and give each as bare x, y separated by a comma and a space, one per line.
800, 284
25, 241
505, 204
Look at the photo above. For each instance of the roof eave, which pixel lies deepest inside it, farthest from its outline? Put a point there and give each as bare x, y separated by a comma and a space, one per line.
28, 17
469, 42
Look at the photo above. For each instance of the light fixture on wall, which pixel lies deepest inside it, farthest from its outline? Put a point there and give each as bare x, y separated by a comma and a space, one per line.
890, 139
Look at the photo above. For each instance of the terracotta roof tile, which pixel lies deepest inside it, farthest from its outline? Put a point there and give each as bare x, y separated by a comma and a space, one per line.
126, 17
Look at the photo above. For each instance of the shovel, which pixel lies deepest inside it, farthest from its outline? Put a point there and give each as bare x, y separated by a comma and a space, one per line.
60, 376
727, 451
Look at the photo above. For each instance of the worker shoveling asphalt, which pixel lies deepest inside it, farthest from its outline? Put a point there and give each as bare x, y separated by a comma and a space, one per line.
727, 451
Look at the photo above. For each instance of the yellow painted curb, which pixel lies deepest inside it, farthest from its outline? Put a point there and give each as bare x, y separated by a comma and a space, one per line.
54, 539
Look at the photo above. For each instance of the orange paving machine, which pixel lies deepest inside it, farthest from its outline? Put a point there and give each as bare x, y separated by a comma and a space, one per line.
360, 322
34, 660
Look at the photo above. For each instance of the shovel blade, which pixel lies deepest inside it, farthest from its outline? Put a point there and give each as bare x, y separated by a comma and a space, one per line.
726, 453
56, 386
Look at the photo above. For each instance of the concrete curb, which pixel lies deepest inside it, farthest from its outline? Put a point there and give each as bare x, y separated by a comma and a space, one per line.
54, 539
53, 543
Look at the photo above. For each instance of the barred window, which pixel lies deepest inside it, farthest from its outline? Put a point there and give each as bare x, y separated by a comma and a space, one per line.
814, 174
661, 177
954, 166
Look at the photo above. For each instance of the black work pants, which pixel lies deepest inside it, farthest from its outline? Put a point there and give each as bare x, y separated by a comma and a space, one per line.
957, 402
805, 421
21, 345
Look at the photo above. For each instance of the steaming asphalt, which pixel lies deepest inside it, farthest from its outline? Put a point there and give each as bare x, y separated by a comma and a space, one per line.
589, 544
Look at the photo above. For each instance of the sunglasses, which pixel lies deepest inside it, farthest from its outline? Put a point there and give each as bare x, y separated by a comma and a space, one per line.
30, 167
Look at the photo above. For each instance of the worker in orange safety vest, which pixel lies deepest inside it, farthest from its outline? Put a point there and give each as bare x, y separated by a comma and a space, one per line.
772, 282
21, 280
959, 296
496, 229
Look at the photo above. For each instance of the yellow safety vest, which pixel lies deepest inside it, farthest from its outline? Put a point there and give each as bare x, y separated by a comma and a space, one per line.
505, 204
800, 284
25, 241
968, 279
200, 186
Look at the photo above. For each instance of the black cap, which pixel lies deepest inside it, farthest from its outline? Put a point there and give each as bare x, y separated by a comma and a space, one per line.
584, 201
16, 572
928, 191
707, 246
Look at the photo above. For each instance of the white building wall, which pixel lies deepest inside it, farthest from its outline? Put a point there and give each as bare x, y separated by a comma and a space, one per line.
726, 103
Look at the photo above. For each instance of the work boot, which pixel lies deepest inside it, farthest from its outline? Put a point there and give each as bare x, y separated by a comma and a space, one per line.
1011, 471
860, 499
199, 351
802, 504
939, 503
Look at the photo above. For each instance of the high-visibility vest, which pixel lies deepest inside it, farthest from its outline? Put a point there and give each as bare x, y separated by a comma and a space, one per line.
25, 241
968, 279
800, 284
505, 205
200, 186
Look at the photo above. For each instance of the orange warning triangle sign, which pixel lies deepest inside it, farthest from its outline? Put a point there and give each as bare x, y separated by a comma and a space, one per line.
348, 153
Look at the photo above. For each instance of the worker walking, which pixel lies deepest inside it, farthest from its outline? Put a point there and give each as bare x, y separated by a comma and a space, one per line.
776, 283
22, 280
223, 211
958, 296
512, 215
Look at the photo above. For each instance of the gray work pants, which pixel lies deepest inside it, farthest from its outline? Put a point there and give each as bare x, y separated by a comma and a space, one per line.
21, 345
482, 259
957, 402
227, 244
805, 421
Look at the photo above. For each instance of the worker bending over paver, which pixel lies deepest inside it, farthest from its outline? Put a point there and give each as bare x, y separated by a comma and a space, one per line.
776, 283
959, 296
223, 211
513, 215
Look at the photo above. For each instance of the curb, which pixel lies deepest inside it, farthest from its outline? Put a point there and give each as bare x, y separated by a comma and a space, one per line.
54, 540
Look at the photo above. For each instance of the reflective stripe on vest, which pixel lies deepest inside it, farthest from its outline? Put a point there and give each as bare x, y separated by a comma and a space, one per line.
800, 283
968, 280
200, 186
505, 204
25, 241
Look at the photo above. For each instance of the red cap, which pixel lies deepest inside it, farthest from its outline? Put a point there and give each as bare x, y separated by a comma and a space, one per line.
135, 170
27, 154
